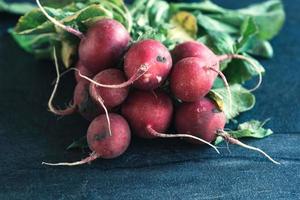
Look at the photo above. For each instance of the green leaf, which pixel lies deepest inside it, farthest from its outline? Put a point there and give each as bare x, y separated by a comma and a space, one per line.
30, 21
80, 143
16, 8
264, 14
205, 7
248, 31
57, 3
90, 12
211, 24
151, 21
269, 17
220, 43
73, 14
242, 100
158, 13
253, 129
239, 71
40, 45
250, 129
260, 48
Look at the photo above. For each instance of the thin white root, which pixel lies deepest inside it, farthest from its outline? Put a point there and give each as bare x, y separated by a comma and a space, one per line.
57, 23
51, 108
163, 135
61, 75
101, 101
89, 159
140, 72
226, 86
106, 115
232, 140
241, 57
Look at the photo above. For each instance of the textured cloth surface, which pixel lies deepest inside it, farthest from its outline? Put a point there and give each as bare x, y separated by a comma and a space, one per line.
156, 169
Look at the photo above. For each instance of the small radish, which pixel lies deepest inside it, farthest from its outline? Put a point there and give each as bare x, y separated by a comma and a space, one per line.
143, 108
203, 119
149, 115
196, 69
199, 50
111, 97
101, 143
193, 49
82, 101
191, 79
152, 54
102, 46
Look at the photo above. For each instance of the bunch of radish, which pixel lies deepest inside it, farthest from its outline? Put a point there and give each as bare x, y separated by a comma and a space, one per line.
131, 100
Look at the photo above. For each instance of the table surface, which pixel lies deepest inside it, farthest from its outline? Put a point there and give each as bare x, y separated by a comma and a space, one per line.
155, 169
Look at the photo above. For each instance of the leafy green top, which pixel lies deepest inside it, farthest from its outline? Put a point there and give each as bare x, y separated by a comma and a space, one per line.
15, 8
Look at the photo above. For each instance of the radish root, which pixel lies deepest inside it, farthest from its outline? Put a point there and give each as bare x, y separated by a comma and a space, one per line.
93, 156
57, 23
226, 86
163, 135
106, 114
140, 72
241, 57
69, 110
232, 140
101, 101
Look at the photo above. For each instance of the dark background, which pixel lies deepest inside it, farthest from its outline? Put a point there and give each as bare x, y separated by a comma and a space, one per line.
156, 169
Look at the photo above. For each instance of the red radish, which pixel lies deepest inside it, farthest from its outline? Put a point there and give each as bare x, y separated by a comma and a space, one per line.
203, 119
193, 49
82, 103
152, 54
191, 79
84, 71
144, 108
111, 97
199, 50
101, 143
102, 46
81, 99
150, 113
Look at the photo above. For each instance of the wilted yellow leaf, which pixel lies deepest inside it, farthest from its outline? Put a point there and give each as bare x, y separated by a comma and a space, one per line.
218, 99
184, 26
67, 53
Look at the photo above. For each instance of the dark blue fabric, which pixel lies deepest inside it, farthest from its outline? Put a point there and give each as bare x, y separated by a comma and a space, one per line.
155, 169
